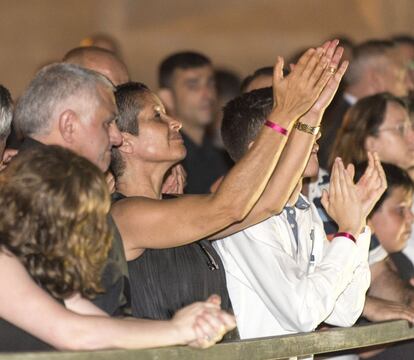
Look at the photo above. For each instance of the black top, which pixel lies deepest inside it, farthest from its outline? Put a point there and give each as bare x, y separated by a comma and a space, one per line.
116, 299
332, 121
204, 165
13, 339
405, 267
165, 280
13, 141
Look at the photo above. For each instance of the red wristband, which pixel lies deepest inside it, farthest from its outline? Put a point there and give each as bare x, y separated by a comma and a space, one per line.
276, 127
347, 235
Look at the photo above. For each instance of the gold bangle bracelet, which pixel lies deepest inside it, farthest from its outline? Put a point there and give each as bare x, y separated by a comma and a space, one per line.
312, 130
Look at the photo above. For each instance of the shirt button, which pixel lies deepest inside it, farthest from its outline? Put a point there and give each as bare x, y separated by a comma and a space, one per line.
291, 212
292, 225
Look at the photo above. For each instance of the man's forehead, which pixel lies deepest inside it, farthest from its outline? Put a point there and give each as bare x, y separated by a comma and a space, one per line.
387, 64
108, 67
106, 92
396, 112
200, 72
395, 57
407, 51
106, 98
149, 101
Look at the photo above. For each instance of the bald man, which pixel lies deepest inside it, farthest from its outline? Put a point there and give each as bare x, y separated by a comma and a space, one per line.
100, 60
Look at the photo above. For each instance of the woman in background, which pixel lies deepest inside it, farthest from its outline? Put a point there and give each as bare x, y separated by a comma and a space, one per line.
379, 123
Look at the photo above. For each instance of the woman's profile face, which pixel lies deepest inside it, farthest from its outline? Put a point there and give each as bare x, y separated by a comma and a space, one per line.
392, 221
395, 139
158, 136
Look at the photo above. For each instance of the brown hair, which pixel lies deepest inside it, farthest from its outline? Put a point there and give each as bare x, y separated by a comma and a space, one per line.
362, 120
53, 207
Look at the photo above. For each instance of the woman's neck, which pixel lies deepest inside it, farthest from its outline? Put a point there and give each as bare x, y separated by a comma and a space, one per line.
142, 180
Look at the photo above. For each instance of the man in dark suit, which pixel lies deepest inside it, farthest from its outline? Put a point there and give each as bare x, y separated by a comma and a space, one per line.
187, 89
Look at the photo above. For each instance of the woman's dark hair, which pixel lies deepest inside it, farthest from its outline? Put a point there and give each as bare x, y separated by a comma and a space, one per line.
129, 100
362, 120
53, 208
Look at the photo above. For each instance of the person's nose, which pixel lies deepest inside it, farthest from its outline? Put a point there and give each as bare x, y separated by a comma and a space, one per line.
174, 124
115, 136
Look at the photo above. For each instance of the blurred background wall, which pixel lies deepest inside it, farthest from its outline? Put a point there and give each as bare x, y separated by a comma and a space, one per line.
238, 34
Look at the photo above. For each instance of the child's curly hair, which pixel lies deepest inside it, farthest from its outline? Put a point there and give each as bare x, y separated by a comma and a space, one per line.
53, 217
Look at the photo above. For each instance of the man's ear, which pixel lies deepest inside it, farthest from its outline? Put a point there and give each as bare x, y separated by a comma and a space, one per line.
167, 99
68, 124
127, 146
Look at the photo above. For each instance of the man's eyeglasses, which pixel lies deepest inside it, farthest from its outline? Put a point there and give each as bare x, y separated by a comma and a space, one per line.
402, 129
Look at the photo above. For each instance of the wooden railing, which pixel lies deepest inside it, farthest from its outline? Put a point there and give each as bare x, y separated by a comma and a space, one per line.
278, 347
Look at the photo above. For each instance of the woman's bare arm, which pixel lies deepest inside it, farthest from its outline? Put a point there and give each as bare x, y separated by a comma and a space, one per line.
295, 155
28, 307
145, 223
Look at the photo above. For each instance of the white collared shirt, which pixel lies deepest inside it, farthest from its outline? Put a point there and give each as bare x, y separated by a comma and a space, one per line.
278, 285
351, 99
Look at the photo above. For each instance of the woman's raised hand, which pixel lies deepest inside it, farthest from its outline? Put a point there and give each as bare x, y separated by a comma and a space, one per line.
296, 93
175, 181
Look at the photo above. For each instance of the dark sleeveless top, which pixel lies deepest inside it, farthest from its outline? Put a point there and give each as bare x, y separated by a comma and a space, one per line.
13, 339
115, 300
163, 281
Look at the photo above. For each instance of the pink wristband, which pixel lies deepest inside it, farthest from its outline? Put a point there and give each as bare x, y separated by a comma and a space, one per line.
347, 235
276, 127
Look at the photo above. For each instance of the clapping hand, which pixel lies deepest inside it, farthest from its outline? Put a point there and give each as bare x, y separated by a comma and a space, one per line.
372, 184
110, 181
203, 323
342, 202
175, 181
8, 155
335, 54
296, 93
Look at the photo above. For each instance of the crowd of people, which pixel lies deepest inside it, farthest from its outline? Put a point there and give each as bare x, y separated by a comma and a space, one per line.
129, 220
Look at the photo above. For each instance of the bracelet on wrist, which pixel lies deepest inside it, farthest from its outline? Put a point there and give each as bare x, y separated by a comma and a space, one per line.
276, 127
312, 130
347, 235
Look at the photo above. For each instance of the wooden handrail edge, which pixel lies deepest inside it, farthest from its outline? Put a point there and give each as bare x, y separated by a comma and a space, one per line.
278, 347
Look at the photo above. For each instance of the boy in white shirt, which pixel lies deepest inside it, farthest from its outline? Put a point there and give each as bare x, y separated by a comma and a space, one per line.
283, 275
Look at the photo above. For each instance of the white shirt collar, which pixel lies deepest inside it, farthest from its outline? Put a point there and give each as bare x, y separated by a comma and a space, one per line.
350, 98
